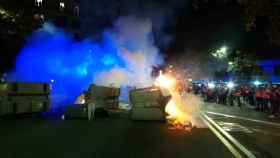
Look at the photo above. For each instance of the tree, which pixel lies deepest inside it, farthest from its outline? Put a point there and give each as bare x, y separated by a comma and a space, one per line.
218, 63
268, 11
18, 19
239, 64
242, 65
15, 27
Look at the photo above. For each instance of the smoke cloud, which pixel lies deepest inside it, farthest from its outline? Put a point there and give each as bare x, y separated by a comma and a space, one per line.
124, 57
135, 47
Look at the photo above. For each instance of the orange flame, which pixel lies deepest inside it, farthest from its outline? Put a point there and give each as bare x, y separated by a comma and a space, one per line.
165, 82
173, 107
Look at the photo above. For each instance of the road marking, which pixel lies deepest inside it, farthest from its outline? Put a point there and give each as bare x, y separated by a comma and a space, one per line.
223, 140
229, 137
244, 118
233, 127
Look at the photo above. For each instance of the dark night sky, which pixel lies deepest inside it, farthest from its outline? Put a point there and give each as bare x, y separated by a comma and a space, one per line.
216, 24
198, 25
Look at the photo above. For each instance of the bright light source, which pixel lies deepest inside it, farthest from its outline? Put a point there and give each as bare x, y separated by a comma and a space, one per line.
52, 81
38, 2
190, 80
230, 85
230, 63
257, 83
62, 5
223, 49
165, 81
220, 53
211, 85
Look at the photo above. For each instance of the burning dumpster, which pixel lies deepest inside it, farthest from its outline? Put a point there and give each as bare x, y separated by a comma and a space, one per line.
19, 98
96, 101
148, 104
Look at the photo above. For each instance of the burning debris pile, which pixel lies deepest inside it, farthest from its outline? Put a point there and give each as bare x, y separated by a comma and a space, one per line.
165, 101
179, 116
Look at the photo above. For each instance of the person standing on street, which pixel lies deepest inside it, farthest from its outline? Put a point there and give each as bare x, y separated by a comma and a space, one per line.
237, 96
266, 97
258, 96
274, 103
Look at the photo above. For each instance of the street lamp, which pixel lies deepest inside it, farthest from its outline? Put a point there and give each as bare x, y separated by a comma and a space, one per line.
257, 83
230, 85
211, 85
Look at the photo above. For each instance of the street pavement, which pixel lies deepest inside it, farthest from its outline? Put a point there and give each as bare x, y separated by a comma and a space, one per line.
116, 136
254, 130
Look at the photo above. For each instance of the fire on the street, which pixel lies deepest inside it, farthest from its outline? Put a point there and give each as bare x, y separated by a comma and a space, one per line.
178, 117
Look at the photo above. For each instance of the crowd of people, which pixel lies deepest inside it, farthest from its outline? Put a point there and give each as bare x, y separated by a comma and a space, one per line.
265, 98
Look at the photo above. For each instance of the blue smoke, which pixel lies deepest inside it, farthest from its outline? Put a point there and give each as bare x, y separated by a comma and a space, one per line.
53, 56
124, 57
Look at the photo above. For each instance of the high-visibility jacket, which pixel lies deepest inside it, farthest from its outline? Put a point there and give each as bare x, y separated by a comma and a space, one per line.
237, 93
258, 94
265, 95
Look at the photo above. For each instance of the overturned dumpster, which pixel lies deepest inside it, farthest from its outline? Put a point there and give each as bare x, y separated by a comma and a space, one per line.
101, 96
148, 104
22, 98
97, 100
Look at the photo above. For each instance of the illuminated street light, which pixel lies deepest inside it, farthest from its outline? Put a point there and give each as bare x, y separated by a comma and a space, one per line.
211, 85
230, 85
257, 83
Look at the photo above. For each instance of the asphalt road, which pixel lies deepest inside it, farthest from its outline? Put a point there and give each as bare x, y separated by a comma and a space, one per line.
116, 136
254, 130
